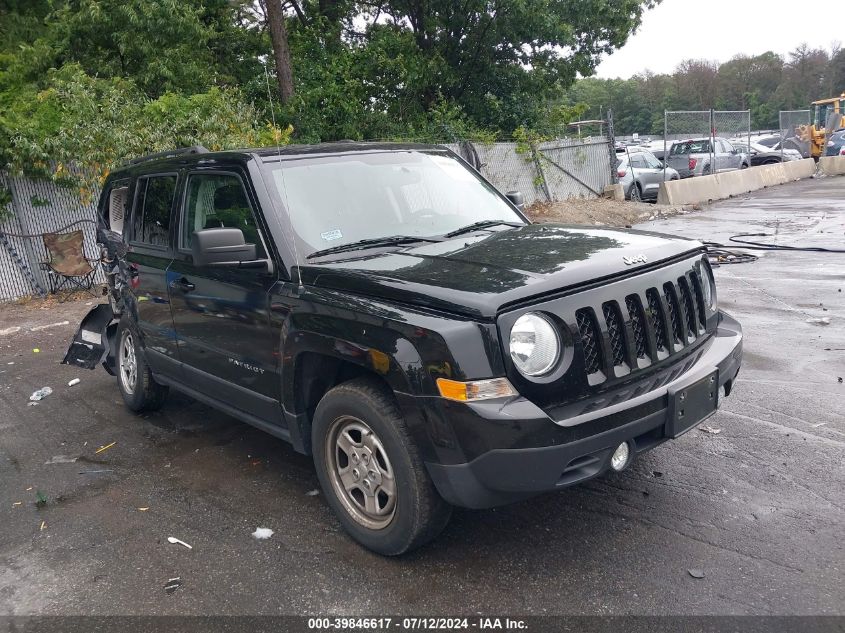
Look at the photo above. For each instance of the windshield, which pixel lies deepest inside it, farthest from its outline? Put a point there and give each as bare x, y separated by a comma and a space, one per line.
340, 199
691, 147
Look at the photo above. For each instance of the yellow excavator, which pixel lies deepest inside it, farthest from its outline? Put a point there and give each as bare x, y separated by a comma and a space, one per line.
827, 114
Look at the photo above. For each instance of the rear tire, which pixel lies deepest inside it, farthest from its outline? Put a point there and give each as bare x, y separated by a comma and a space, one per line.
636, 194
371, 472
139, 389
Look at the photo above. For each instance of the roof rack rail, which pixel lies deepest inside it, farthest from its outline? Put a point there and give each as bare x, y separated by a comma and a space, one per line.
170, 153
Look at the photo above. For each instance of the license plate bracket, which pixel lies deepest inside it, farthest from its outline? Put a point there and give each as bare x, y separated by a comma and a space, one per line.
691, 404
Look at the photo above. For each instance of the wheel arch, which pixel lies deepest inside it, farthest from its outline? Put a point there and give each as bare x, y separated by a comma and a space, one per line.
314, 363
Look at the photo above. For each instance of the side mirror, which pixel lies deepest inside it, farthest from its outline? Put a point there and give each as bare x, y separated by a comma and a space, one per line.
517, 199
223, 248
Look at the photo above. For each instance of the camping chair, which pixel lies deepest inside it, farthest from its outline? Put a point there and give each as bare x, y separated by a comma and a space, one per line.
66, 262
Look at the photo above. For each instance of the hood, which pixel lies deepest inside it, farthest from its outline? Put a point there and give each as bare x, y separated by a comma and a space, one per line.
478, 275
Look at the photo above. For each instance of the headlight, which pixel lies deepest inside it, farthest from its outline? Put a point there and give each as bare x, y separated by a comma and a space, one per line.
534, 344
708, 286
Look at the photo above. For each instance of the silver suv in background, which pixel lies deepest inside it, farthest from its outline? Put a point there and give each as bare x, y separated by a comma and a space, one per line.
640, 174
696, 157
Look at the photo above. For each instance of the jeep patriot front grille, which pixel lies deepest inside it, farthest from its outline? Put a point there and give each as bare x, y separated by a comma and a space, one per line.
641, 329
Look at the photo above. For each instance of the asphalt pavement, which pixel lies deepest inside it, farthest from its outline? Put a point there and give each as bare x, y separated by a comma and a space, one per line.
758, 507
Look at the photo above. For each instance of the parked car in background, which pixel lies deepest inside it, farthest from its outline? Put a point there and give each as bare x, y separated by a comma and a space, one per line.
659, 148
640, 174
697, 157
793, 145
762, 155
836, 144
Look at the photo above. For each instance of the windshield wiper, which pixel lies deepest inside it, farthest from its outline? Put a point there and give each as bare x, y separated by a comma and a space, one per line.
483, 224
373, 242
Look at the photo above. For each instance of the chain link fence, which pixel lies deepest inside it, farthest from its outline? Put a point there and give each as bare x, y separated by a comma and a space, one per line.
794, 131
705, 124
732, 124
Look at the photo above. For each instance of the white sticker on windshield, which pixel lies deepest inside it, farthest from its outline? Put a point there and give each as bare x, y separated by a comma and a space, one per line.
331, 235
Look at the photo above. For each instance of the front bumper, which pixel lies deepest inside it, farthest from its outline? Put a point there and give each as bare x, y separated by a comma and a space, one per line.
578, 447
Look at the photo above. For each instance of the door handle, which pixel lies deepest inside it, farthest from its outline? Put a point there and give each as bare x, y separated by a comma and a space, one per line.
182, 284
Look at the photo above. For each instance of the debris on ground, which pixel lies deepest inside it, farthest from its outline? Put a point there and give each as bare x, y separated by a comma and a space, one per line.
312, 493
40, 394
262, 534
35, 350
696, 573
40, 499
656, 473
17, 503
38, 328
73, 382
819, 321
60, 459
175, 541
104, 448
143, 509
599, 211
95, 472
43, 525
173, 584
710, 429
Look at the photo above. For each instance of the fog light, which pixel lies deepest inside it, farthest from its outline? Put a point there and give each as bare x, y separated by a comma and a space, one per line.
620, 457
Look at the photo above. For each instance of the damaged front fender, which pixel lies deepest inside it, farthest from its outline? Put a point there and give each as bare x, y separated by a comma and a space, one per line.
95, 340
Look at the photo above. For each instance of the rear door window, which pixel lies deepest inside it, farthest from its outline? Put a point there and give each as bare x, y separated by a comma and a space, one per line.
638, 162
153, 209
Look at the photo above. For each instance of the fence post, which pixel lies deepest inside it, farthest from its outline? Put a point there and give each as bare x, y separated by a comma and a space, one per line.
540, 174
713, 169
665, 136
611, 147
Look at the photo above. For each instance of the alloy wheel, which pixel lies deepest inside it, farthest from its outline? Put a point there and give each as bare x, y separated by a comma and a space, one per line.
128, 363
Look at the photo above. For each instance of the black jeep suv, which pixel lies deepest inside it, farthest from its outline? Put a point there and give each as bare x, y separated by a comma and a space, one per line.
385, 309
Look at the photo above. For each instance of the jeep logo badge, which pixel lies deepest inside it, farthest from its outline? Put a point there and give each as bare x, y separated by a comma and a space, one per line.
635, 259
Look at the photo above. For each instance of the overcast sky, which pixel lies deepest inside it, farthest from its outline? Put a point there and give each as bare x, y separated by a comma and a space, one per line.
719, 29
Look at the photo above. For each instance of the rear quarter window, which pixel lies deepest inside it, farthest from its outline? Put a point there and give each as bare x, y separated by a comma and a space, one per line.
153, 210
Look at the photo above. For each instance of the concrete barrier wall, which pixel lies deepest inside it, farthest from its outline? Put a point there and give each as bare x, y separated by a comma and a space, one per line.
733, 183
832, 165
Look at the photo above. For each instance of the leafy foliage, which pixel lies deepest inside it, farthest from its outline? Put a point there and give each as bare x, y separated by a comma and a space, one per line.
98, 123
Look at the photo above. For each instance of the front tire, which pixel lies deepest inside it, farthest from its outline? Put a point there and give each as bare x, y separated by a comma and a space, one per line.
371, 472
139, 389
